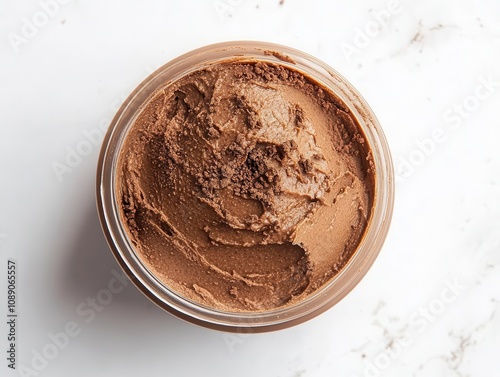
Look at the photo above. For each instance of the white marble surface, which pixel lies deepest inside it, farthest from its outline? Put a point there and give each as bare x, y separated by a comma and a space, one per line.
430, 70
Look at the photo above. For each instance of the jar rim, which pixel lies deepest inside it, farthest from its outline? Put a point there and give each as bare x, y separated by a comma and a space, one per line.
327, 295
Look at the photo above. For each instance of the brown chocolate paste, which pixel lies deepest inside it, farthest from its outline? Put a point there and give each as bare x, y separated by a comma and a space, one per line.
245, 186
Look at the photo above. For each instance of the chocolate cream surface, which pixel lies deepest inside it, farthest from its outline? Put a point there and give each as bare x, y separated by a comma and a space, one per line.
245, 186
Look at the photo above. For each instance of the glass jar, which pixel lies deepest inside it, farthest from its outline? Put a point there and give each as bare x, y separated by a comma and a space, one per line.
327, 295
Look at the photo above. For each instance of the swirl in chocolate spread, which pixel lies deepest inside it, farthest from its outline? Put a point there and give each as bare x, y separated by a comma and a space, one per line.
245, 186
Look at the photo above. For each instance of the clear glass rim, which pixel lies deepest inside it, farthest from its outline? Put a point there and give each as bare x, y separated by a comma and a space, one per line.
329, 294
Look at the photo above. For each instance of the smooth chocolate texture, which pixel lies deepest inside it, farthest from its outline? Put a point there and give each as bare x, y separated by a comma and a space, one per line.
245, 186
